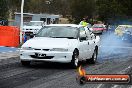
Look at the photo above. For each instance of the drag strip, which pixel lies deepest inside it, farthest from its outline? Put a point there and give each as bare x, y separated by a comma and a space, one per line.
114, 58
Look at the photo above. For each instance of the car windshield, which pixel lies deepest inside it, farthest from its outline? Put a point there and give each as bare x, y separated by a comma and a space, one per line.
33, 24
58, 32
129, 29
97, 26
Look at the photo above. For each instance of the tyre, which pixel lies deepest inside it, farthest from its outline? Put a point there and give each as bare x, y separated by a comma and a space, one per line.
101, 32
94, 57
25, 63
75, 59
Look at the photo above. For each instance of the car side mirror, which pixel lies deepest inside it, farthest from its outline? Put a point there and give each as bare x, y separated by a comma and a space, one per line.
32, 35
82, 38
95, 36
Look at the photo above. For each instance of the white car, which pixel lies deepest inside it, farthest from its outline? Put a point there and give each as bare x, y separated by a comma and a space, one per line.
64, 43
32, 27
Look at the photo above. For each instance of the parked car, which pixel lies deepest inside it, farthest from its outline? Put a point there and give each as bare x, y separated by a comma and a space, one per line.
3, 22
125, 31
64, 43
98, 28
32, 27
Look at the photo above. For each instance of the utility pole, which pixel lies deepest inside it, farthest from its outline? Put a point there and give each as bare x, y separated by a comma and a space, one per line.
21, 26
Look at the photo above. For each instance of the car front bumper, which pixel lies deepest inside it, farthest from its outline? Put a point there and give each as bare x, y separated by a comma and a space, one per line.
50, 56
97, 31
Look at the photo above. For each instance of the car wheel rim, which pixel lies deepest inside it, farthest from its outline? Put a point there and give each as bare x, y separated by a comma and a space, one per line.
95, 56
76, 59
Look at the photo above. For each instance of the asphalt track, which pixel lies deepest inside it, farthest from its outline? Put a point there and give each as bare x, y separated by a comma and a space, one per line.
115, 57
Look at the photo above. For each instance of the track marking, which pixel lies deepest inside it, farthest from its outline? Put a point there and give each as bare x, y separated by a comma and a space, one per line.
126, 69
10, 51
130, 87
117, 47
99, 86
13, 47
115, 86
1, 46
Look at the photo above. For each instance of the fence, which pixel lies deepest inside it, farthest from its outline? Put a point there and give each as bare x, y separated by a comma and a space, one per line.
9, 36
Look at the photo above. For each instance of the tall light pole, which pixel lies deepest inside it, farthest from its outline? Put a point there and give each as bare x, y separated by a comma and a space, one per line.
21, 26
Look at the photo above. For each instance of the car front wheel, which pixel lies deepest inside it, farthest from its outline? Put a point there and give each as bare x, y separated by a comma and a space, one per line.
25, 63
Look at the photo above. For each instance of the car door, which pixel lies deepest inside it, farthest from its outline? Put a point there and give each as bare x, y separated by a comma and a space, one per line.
92, 43
83, 45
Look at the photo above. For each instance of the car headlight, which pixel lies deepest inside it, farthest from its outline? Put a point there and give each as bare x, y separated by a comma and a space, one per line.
26, 48
59, 49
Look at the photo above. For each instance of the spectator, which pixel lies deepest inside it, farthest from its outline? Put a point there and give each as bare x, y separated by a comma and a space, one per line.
53, 21
83, 22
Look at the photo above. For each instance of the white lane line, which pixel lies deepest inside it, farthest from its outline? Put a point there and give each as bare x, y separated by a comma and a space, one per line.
99, 86
117, 47
115, 86
9, 51
130, 87
7, 47
1, 46
123, 71
126, 69
13, 47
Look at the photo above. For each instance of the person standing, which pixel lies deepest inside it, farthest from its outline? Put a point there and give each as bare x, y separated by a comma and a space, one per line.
54, 21
107, 26
83, 22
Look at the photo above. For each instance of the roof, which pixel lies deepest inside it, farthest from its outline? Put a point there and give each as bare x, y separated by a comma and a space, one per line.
98, 24
71, 25
24, 13
31, 14
121, 27
36, 21
124, 25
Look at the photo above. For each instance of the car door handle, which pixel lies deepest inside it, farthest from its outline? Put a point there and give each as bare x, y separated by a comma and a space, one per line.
88, 43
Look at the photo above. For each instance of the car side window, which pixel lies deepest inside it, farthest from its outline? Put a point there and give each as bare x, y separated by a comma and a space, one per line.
88, 33
93, 36
82, 29
89, 37
83, 36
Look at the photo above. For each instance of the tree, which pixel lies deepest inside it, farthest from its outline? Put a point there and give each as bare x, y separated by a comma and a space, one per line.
126, 7
82, 8
3, 9
111, 9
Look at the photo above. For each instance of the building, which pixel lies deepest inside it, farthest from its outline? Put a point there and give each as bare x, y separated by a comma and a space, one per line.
27, 17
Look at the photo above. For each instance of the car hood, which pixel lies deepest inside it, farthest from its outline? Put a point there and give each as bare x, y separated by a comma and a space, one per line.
49, 43
32, 27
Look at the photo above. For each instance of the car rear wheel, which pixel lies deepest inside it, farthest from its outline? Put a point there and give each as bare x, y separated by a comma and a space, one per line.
75, 59
94, 57
101, 32
25, 63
